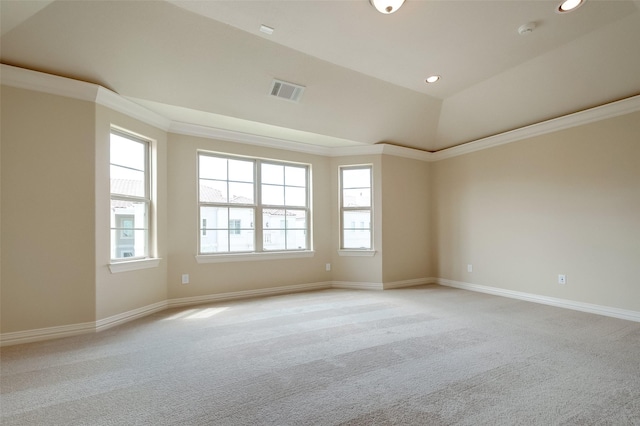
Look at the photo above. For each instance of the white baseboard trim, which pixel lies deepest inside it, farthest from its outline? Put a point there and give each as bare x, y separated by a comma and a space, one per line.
545, 300
409, 283
245, 294
118, 319
352, 285
48, 333
36, 335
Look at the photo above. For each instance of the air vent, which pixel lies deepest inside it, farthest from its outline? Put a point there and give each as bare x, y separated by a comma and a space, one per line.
289, 91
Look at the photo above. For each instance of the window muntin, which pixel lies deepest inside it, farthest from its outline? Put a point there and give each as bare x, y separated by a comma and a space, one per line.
355, 207
130, 196
252, 205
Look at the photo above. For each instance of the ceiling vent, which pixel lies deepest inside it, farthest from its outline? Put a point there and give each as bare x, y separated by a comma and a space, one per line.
289, 91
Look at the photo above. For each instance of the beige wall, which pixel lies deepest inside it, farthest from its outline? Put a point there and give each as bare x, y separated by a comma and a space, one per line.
522, 213
213, 278
562, 203
126, 291
405, 219
48, 243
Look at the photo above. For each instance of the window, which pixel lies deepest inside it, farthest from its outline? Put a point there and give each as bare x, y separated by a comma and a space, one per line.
130, 199
355, 208
250, 205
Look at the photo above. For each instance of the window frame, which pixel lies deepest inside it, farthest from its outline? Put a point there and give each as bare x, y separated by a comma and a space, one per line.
258, 208
355, 251
146, 199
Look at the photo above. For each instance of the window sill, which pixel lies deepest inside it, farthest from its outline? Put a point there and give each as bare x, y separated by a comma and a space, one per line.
134, 265
357, 253
243, 257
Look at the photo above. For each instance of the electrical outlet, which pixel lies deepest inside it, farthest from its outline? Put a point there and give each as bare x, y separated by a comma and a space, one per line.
469, 268
327, 267
185, 278
562, 279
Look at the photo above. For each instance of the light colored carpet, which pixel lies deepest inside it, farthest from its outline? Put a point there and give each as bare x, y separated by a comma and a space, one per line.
427, 355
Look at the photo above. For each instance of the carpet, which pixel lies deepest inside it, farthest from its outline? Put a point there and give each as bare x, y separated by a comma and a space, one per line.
425, 355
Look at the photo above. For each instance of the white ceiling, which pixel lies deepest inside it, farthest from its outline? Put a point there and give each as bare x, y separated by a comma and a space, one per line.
206, 62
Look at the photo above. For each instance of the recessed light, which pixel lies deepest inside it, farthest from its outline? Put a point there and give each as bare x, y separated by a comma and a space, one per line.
569, 5
266, 30
432, 79
386, 6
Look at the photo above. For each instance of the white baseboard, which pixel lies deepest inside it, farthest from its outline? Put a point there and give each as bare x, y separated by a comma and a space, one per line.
409, 283
118, 319
48, 333
352, 285
40, 334
545, 300
245, 294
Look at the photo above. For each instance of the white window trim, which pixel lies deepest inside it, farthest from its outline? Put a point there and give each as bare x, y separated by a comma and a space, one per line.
242, 257
138, 263
134, 265
355, 251
259, 253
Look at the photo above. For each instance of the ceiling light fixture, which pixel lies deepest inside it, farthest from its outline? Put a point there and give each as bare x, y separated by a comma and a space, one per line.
386, 6
569, 5
432, 79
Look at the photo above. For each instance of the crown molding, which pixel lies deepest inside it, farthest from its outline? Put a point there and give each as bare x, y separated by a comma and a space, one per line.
401, 151
382, 148
347, 151
246, 138
112, 100
23, 78
610, 110
33, 80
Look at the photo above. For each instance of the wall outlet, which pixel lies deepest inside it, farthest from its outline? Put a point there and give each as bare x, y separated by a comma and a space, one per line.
185, 278
562, 279
469, 268
327, 267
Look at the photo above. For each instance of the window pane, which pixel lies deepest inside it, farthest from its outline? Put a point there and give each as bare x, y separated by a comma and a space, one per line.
296, 240
272, 219
243, 216
356, 197
295, 196
296, 219
213, 167
240, 193
215, 217
240, 170
215, 242
357, 219
273, 174
273, 195
213, 191
129, 233
125, 181
356, 178
296, 176
273, 239
360, 239
126, 152
242, 241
